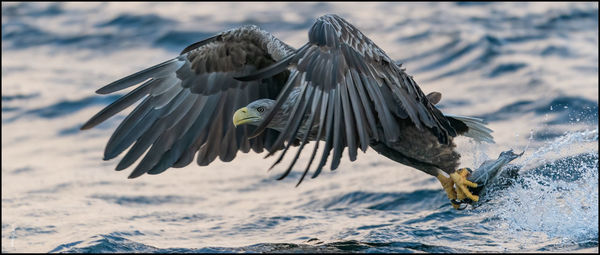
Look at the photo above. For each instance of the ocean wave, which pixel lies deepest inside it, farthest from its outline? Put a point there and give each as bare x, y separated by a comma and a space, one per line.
564, 109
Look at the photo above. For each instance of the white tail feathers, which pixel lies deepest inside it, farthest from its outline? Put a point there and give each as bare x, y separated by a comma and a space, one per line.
477, 128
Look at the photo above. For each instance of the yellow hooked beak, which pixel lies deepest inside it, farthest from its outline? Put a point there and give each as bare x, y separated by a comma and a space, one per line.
243, 116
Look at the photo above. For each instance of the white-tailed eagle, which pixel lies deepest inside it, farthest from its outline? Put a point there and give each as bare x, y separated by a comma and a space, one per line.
338, 89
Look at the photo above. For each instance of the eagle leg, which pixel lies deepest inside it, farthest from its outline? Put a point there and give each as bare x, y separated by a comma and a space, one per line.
459, 194
448, 186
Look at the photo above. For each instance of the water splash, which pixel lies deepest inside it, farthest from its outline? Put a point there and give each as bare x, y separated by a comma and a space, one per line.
557, 199
562, 146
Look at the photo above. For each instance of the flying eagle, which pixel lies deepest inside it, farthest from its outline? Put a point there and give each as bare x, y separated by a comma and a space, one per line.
339, 89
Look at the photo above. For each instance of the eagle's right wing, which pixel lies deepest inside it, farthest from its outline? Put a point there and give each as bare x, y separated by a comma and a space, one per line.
351, 88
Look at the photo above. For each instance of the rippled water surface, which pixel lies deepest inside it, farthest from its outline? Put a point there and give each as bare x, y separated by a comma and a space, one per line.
529, 69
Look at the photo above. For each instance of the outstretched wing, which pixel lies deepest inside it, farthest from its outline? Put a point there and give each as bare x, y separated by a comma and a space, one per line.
353, 90
188, 103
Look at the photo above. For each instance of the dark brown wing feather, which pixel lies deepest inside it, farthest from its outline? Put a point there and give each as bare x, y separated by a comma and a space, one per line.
189, 102
359, 91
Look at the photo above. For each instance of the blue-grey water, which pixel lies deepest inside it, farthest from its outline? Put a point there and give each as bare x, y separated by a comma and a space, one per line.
529, 69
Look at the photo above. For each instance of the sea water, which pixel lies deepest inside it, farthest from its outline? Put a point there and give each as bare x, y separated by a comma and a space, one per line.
529, 69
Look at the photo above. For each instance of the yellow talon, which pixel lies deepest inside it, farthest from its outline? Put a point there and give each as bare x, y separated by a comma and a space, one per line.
462, 191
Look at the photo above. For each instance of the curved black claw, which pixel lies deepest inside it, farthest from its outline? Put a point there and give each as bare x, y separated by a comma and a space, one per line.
459, 204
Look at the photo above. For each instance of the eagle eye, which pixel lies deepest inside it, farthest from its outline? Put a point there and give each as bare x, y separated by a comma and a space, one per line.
260, 109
